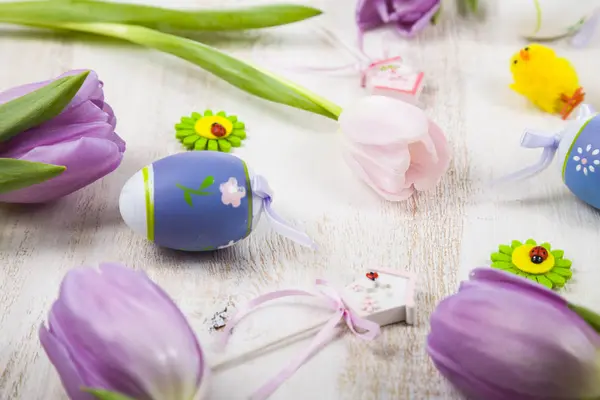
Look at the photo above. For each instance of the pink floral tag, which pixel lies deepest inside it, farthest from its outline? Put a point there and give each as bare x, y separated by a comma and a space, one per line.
392, 77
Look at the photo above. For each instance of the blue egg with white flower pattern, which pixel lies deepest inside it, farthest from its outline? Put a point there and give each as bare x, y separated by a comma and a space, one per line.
579, 151
193, 201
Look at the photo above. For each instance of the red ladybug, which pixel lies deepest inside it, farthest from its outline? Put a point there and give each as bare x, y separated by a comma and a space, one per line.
538, 255
372, 275
218, 130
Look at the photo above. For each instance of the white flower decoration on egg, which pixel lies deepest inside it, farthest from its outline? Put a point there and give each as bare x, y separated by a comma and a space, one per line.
585, 160
232, 193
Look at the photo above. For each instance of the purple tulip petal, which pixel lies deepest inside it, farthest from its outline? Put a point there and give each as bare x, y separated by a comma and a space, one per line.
112, 119
158, 349
372, 13
410, 16
409, 27
499, 278
410, 10
27, 141
61, 360
76, 333
86, 159
65, 140
88, 111
116, 275
471, 387
22, 90
91, 89
507, 336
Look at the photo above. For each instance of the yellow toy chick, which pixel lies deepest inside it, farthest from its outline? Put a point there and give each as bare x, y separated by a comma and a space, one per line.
549, 81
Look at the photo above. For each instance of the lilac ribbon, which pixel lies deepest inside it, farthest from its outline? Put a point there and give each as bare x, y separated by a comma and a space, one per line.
532, 140
362, 60
370, 330
587, 31
585, 111
261, 188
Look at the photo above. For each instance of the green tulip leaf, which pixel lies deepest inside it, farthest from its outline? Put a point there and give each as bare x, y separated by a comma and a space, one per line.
106, 395
39, 106
163, 19
19, 174
467, 6
473, 5
436, 17
587, 315
236, 72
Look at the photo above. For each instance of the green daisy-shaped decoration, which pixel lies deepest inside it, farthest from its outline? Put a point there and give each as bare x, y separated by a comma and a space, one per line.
538, 263
212, 132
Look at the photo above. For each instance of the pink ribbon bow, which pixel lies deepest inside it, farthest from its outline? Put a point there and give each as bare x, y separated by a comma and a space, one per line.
370, 330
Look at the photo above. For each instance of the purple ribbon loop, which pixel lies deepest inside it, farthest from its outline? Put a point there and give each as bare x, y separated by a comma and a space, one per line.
533, 140
360, 327
261, 188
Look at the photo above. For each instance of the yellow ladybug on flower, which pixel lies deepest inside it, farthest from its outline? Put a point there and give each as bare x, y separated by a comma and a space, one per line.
538, 263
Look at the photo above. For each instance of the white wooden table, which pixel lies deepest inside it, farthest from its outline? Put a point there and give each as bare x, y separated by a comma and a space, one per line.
439, 235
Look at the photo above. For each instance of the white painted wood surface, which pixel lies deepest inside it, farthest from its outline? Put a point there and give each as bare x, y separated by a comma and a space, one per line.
439, 235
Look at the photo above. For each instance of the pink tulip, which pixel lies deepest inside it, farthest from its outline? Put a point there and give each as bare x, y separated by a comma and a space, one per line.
82, 138
393, 147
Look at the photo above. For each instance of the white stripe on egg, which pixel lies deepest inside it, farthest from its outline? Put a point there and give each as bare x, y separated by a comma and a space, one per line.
132, 201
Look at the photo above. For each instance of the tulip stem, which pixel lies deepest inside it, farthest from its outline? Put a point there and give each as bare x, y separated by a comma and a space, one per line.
160, 18
245, 76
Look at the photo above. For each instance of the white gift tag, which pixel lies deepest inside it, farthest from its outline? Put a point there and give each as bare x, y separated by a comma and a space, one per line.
383, 296
393, 77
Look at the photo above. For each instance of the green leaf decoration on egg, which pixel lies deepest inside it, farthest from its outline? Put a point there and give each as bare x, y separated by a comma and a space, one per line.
187, 192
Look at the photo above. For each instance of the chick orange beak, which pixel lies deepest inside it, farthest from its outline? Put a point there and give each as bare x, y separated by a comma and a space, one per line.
524, 55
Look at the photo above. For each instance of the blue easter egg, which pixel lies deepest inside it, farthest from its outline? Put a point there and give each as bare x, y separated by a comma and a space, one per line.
193, 201
580, 150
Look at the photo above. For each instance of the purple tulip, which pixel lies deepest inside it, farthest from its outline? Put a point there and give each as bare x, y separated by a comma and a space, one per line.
409, 16
82, 138
112, 328
504, 337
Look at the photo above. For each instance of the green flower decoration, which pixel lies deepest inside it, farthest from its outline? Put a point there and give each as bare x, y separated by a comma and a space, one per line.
538, 263
218, 132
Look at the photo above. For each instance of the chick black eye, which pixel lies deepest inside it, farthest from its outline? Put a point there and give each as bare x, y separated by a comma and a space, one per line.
514, 62
526, 48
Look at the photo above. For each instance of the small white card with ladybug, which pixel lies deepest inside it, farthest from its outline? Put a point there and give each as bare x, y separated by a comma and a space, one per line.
394, 78
383, 296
